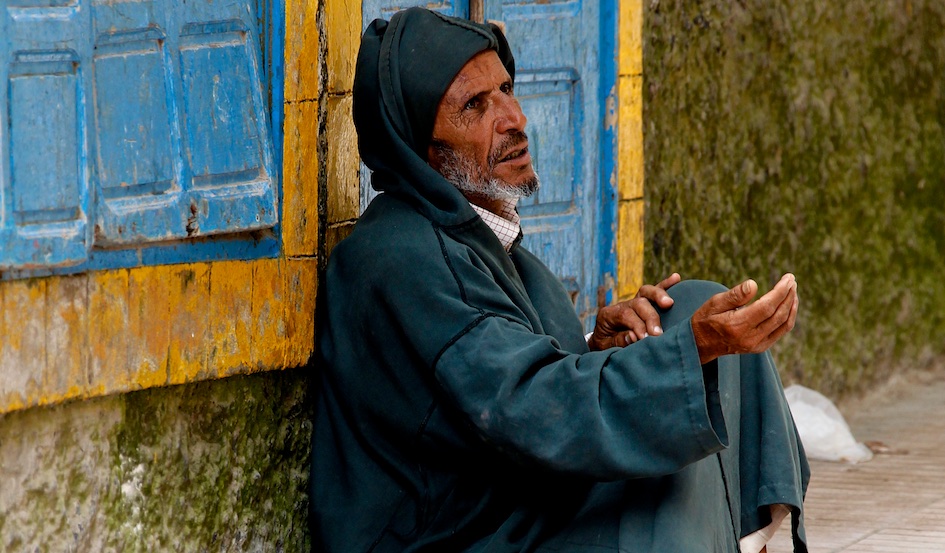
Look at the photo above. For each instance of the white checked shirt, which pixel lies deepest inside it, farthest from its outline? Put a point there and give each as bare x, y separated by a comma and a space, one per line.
506, 224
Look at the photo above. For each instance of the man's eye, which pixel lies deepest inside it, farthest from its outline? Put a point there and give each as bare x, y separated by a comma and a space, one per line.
507, 88
472, 104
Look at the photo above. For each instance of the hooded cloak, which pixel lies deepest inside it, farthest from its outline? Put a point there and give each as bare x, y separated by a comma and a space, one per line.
458, 407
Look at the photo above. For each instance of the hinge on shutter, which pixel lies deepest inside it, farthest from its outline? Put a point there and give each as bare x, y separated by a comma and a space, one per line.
605, 292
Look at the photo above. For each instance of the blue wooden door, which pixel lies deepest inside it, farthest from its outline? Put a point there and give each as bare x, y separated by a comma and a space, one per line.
130, 123
558, 82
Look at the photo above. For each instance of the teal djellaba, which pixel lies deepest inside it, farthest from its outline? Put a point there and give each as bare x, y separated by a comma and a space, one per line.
460, 407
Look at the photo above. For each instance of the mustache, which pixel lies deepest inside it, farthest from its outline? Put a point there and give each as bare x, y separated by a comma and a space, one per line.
512, 140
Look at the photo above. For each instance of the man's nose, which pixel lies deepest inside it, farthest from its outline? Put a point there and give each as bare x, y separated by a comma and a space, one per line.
511, 117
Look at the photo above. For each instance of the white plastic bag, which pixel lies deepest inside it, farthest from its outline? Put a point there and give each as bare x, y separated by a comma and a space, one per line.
823, 431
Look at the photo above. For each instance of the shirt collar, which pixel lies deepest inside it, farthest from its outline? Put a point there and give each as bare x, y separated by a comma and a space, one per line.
506, 224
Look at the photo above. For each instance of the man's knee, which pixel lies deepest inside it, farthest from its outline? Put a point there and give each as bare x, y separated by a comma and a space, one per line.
697, 290
688, 296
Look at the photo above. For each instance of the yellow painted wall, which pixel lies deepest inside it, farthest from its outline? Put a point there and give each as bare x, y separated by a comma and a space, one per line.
114, 331
629, 240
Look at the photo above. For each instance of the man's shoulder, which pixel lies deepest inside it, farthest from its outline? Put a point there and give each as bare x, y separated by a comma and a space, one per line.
389, 221
390, 233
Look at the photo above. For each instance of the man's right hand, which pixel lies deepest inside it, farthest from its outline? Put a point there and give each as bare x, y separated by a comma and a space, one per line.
726, 324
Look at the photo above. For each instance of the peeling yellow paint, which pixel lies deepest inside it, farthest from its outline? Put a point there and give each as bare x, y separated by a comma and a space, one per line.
629, 248
302, 63
299, 310
631, 37
343, 31
344, 193
149, 310
300, 184
630, 154
189, 319
231, 311
83, 336
108, 330
630, 139
23, 354
268, 331
67, 345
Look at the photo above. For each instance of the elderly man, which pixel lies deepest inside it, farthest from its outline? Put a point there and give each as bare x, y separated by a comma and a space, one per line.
461, 407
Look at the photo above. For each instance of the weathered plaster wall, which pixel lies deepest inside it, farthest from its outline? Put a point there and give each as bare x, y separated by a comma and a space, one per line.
809, 137
213, 466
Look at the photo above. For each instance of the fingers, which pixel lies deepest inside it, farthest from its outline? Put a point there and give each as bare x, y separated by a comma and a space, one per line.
774, 325
646, 316
656, 294
733, 298
728, 324
625, 323
629, 337
768, 305
797, 305
614, 340
777, 324
780, 331
669, 281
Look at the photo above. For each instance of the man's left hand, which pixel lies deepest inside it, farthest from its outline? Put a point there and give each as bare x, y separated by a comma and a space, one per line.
630, 321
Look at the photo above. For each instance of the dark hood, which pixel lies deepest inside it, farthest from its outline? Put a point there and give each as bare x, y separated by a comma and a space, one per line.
404, 68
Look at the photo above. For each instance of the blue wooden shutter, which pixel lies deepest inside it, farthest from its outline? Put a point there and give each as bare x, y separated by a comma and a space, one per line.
145, 121
44, 180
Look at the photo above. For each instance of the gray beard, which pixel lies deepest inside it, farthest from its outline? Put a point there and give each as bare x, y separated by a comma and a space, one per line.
469, 179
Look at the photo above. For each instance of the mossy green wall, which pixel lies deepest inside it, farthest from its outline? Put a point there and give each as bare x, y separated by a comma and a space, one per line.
213, 466
805, 136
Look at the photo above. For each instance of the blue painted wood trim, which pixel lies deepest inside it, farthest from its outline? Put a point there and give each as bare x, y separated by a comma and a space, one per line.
608, 144
261, 244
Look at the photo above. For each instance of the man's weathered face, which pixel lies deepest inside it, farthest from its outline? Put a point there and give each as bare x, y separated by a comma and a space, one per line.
479, 142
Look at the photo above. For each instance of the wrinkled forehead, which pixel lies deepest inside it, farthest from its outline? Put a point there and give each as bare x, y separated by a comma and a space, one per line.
481, 73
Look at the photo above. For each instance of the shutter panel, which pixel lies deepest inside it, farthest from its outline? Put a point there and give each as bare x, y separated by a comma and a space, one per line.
187, 151
43, 145
226, 130
139, 153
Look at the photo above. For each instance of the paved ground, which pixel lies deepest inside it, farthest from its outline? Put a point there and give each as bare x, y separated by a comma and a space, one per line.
894, 503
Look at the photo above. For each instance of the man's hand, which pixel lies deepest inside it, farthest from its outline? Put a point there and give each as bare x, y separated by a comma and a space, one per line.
727, 324
629, 321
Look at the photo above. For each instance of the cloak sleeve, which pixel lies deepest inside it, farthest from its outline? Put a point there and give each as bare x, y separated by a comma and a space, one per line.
644, 410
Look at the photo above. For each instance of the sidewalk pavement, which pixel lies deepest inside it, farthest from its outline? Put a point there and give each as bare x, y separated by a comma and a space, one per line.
894, 503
